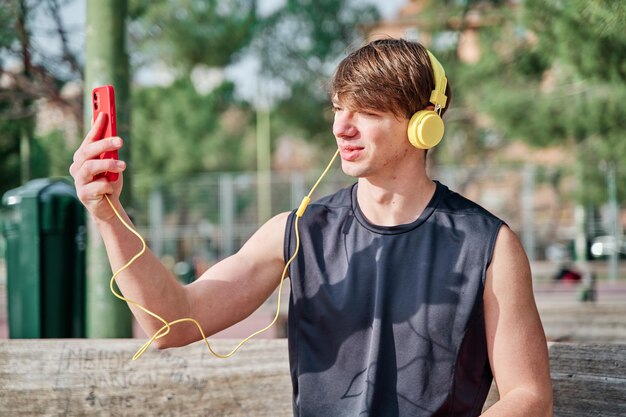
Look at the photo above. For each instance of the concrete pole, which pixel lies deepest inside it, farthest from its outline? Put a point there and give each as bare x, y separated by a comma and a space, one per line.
106, 62
264, 173
613, 223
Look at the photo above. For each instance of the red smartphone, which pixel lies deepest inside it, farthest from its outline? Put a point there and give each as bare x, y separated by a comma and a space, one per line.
103, 101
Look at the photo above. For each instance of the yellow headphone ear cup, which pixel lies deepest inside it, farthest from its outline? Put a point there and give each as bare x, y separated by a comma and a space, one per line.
425, 129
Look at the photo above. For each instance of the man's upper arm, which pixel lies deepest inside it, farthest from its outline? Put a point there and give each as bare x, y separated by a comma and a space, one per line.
233, 288
515, 338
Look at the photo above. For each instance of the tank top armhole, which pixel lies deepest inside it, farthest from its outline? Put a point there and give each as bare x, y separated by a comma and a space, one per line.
491, 248
289, 234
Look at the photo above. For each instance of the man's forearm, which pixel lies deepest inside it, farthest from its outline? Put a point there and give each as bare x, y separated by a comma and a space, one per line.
146, 281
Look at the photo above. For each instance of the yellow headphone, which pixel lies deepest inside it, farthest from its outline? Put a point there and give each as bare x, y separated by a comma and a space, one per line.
426, 126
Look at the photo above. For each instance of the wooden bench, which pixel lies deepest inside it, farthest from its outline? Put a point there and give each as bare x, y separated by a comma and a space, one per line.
97, 377
576, 322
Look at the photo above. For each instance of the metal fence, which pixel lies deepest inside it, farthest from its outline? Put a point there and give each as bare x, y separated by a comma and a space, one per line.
198, 221
195, 222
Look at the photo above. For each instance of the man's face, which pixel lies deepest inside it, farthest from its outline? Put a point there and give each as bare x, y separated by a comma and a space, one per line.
371, 142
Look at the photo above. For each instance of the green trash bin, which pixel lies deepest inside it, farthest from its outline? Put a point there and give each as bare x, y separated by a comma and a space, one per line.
45, 233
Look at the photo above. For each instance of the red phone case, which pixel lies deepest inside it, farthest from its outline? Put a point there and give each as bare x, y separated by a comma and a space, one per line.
103, 101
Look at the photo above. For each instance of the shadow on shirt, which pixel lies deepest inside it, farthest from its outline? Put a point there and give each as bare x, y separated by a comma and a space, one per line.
378, 323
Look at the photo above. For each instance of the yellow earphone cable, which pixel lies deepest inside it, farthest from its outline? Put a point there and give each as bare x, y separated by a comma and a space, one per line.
163, 331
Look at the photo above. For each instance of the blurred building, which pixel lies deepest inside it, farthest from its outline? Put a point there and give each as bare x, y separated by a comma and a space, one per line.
415, 22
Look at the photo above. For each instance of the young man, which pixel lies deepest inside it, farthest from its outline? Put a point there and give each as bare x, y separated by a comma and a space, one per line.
405, 297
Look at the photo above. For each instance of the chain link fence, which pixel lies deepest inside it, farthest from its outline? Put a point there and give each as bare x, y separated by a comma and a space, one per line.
193, 223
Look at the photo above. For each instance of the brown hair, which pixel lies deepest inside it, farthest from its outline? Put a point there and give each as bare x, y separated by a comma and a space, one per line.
393, 75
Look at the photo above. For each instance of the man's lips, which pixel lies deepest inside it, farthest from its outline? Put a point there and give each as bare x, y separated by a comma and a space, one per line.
350, 152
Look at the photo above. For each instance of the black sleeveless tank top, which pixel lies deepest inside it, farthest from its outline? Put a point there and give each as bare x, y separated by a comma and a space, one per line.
388, 321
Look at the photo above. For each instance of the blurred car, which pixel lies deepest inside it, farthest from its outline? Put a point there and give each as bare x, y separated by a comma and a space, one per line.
606, 245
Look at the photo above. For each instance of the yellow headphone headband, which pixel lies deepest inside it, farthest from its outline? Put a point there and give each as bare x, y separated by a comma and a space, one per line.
438, 95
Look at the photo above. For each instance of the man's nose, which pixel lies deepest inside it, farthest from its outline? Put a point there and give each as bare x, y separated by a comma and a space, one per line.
343, 125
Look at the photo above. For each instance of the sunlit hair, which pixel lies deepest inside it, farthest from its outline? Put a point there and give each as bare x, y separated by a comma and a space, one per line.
393, 75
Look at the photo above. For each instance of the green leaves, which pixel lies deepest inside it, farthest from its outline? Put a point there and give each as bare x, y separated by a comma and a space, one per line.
300, 45
185, 33
551, 72
178, 132
588, 34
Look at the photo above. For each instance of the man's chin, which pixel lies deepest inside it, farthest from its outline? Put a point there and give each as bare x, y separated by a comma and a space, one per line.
350, 169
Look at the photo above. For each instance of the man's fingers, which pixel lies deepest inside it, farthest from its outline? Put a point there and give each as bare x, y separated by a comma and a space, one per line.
94, 134
92, 167
97, 127
93, 150
94, 191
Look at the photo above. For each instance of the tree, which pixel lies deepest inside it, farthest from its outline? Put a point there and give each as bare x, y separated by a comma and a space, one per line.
553, 72
185, 133
299, 46
185, 128
584, 44
562, 82
185, 33
31, 72
193, 124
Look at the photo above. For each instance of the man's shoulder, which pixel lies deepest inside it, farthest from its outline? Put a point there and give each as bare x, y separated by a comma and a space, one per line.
337, 202
339, 199
451, 202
